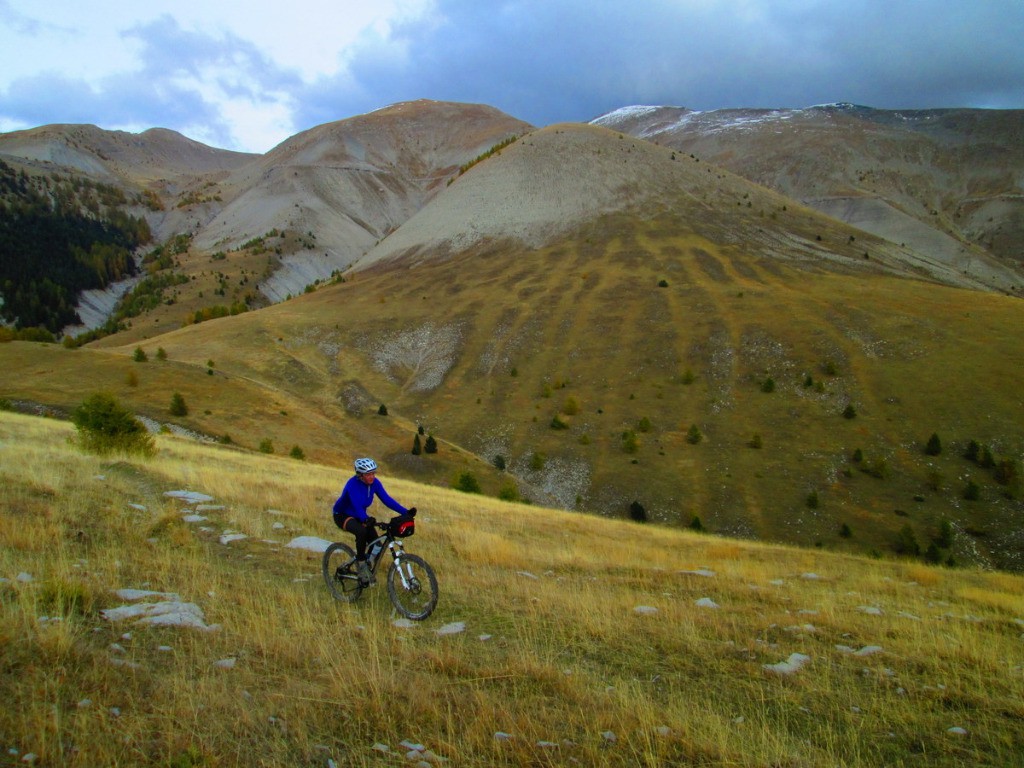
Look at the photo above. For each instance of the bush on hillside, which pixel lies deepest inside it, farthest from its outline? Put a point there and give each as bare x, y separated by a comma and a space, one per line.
637, 512
178, 407
105, 426
417, 449
430, 446
467, 483
934, 445
297, 453
906, 542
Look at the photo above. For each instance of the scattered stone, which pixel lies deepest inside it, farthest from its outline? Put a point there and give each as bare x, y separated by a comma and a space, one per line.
502, 736
84, 704
168, 613
870, 610
706, 602
228, 663
194, 518
139, 507
189, 497
645, 610
24, 578
791, 665
484, 638
278, 525
609, 737
547, 744
528, 575
868, 650
310, 543
664, 731
698, 572
381, 747
404, 623
227, 538
956, 729
810, 576
209, 507
453, 628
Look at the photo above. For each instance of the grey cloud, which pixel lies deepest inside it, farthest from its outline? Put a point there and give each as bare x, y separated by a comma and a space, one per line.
548, 61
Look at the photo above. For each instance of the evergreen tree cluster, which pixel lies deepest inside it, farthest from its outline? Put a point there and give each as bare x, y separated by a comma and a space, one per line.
58, 238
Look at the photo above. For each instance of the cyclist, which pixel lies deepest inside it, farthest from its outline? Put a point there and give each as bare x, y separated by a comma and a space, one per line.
350, 510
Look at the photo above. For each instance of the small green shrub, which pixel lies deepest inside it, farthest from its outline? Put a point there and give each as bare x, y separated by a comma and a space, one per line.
694, 435
768, 385
105, 426
637, 512
266, 445
178, 407
467, 483
297, 453
383, 410
557, 423
139, 355
934, 445
849, 412
417, 449
430, 446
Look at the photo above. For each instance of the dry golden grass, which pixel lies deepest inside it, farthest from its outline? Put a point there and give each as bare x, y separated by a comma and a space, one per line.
554, 652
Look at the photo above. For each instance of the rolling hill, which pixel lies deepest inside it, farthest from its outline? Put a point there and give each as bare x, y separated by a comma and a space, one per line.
592, 321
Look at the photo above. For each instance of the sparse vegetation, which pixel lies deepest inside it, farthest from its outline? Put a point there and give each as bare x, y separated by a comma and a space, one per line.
929, 638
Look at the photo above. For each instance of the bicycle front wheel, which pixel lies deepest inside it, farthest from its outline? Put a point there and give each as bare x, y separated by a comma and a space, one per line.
340, 573
412, 587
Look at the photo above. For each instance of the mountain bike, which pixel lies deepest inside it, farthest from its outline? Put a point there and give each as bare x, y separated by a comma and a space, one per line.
412, 585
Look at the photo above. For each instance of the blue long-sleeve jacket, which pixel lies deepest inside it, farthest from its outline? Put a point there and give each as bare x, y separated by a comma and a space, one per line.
357, 496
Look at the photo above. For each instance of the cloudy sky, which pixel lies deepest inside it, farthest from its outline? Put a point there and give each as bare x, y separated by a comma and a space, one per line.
246, 75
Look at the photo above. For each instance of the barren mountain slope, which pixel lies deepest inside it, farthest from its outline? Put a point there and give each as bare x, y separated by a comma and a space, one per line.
154, 156
959, 173
554, 180
345, 185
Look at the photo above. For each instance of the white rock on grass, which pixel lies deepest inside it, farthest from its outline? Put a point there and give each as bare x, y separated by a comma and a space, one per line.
645, 610
698, 572
227, 538
228, 663
194, 518
956, 729
453, 628
706, 602
189, 497
870, 610
794, 663
310, 543
166, 613
502, 736
868, 650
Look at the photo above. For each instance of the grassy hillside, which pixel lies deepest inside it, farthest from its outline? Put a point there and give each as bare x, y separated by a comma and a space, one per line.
557, 639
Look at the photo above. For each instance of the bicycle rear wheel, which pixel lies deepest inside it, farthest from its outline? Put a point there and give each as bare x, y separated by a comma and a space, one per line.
412, 587
340, 573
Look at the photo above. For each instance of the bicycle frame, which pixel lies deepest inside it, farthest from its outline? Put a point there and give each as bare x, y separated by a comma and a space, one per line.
397, 550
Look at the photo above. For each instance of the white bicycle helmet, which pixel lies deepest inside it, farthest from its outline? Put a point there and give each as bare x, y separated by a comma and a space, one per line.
365, 465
